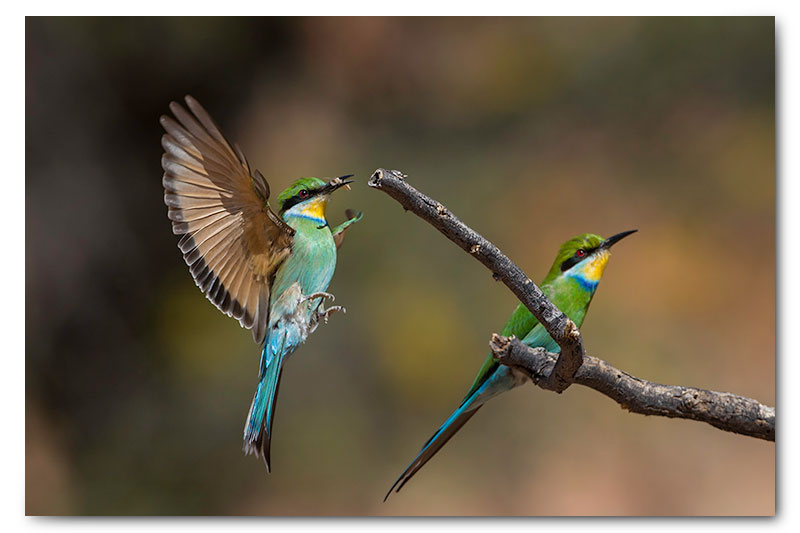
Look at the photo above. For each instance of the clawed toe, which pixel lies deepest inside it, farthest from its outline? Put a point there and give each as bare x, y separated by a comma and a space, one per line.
322, 295
328, 312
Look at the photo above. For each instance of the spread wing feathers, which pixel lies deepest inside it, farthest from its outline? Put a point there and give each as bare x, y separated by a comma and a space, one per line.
230, 238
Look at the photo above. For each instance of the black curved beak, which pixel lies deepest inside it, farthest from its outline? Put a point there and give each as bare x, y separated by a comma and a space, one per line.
336, 183
614, 239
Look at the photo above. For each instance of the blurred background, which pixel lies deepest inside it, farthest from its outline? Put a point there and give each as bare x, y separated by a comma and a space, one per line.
531, 131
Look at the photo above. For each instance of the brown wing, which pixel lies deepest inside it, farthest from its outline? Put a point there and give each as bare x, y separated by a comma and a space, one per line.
231, 240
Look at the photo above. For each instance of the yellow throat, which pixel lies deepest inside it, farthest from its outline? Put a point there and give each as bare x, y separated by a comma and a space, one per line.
592, 270
314, 209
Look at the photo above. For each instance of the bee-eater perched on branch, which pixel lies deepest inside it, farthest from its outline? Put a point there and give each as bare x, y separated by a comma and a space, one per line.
570, 285
267, 270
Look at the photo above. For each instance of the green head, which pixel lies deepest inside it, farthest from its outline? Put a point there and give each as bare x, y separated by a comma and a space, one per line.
584, 257
310, 194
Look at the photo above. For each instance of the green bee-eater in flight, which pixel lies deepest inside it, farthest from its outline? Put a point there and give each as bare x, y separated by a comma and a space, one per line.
570, 285
268, 270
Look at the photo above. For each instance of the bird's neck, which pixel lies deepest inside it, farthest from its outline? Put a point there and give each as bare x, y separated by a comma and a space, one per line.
311, 210
587, 273
572, 291
570, 296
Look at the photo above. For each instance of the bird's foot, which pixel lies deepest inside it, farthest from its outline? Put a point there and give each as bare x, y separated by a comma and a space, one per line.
325, 313
322, 315
322, 295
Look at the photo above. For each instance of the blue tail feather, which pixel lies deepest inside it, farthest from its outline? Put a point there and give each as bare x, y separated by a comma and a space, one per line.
499, 381
258, 429
459, 417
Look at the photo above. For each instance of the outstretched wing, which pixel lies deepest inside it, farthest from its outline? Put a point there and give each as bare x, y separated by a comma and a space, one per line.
231, 240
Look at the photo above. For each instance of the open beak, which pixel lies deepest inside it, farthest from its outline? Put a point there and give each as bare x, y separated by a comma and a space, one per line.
336, 183
614, 239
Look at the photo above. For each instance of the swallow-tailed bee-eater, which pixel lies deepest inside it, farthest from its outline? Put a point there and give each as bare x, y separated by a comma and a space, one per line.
267, 269
570, 285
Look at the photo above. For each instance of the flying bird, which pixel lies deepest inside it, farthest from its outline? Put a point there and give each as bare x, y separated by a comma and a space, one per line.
570, 285
267, 269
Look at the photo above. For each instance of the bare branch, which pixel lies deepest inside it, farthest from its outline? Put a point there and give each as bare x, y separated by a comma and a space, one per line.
557, 324
722, 410
556, 372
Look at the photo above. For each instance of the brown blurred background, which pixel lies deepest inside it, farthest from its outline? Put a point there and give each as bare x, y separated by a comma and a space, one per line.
531, 131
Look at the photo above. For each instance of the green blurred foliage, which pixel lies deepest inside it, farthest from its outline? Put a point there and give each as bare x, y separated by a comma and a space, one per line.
531, 131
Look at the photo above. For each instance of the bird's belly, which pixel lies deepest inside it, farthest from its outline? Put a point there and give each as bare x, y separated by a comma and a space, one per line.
310, 264
308, 268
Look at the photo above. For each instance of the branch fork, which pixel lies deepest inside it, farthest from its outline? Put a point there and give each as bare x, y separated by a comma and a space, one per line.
556, 372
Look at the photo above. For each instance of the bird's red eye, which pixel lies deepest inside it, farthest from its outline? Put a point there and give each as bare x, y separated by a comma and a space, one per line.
580, 253
303, 193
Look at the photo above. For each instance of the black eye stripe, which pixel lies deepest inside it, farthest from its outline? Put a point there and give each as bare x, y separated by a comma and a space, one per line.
297, 198
574, 259
569, 263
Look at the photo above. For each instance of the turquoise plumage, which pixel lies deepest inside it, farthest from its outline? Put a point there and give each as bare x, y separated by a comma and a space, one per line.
268, 270
307, 271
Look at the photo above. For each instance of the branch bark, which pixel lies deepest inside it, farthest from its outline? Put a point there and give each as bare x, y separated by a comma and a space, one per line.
556, 372
722, 410
557, 324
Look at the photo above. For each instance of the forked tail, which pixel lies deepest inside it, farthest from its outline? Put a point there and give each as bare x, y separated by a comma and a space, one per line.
258, 429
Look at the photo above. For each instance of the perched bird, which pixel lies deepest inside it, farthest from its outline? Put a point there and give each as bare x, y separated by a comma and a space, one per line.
570, 285
268, 270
